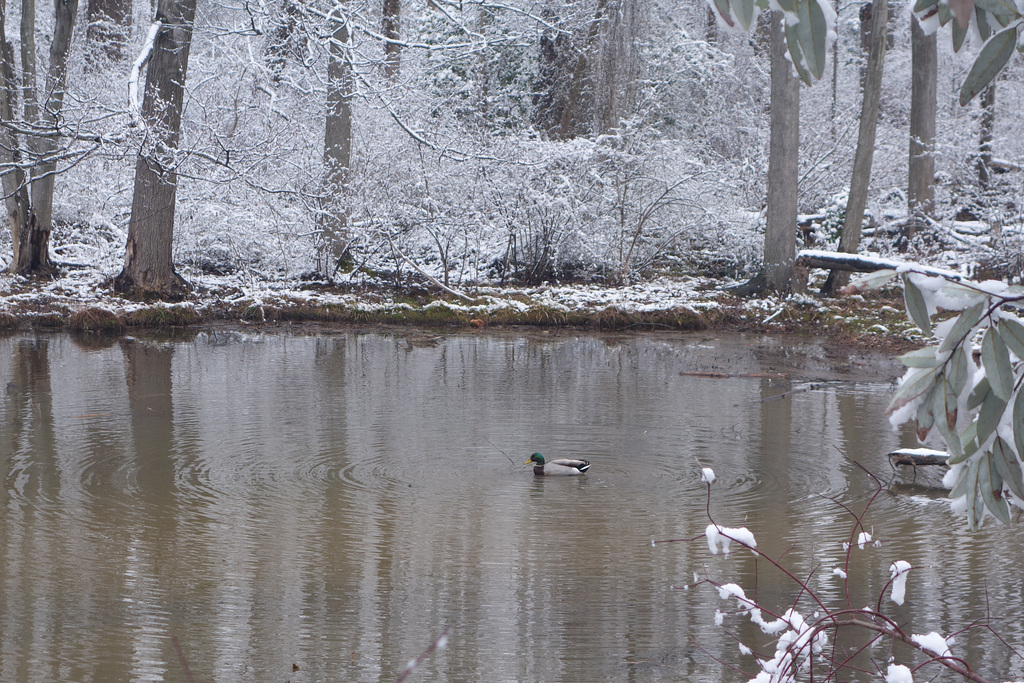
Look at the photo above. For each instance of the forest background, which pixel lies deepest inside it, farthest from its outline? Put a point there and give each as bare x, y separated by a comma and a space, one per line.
473, 142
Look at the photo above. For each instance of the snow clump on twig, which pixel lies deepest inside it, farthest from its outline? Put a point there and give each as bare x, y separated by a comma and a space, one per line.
934, 643
898, 570
726, 535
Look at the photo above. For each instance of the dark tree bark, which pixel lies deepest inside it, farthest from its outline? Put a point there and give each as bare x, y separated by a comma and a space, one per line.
550, 89
148, 264
865, 31
783, 164
285, 40
586, 85
616, 69
711, 29
391, 26
921, 175
579, 95
867, 23
110, 23
858, 199
988, 122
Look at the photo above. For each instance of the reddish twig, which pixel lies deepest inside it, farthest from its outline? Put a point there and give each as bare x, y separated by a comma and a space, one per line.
439, 644
800, 651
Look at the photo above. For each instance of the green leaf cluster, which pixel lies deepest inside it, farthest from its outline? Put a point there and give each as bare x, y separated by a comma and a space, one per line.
808, 23
997, 22
940, 383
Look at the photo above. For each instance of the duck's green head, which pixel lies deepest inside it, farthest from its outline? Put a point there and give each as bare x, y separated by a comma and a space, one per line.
537, 458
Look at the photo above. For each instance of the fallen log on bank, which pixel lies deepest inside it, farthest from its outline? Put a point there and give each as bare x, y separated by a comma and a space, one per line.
857, 263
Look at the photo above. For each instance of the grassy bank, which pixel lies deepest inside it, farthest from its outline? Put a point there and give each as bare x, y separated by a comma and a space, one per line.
85, 303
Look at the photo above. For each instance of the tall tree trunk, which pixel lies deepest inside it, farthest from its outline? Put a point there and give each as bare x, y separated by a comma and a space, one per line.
921, 175
783, 164
337, 147
109, 28
391, 25
30, 240
13, 183
148, 263
37, 258
28, 59
858, 199
988, 122
31, 212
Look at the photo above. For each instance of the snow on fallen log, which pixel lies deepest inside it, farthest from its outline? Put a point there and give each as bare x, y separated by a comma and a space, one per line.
836, 260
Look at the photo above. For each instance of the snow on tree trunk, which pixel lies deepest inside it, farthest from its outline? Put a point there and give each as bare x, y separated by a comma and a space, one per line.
148, 264
921, 173
858, 199
783, 164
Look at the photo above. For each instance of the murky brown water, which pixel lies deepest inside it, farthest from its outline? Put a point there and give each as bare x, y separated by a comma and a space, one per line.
334, 502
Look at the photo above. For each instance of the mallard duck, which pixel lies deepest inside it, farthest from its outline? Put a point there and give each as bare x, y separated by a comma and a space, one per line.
557, 466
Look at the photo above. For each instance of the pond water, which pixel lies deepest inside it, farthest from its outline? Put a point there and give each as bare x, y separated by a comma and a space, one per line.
323, 506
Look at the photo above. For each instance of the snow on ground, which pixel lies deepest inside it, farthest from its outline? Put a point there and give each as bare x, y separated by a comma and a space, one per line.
88, 288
